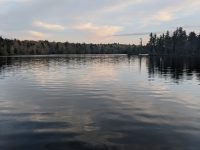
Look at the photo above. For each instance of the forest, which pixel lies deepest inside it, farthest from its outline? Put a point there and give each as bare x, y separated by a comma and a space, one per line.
176, 43
17, 47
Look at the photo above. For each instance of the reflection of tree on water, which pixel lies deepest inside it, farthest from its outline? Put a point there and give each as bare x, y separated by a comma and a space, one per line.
114, 115
174, 67
14, 63
4, 63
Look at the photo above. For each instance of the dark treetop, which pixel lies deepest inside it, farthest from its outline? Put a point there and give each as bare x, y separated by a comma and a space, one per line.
178, 43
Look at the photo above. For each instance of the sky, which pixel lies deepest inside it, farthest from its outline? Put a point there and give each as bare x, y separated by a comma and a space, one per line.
95, 21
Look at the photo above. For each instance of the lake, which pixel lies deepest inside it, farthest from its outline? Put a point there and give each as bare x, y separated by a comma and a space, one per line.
103, 102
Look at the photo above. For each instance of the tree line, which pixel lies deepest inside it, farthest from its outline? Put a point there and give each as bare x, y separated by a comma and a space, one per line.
17, 47
178, 43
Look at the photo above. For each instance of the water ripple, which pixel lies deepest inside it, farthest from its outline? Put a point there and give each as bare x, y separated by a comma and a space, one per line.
99, 102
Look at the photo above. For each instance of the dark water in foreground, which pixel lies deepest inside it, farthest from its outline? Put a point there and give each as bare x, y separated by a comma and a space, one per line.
101, 102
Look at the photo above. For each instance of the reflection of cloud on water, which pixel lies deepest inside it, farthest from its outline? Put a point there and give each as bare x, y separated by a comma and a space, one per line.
154, 99
99, 103
97, 73
175, 93
44, 75
63, 76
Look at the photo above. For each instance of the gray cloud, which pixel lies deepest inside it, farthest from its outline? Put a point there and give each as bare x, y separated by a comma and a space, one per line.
55, 20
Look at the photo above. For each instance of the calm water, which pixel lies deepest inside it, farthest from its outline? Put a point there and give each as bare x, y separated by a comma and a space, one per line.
84, 102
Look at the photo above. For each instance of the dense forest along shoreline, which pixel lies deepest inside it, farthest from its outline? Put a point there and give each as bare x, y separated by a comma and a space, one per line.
176, 43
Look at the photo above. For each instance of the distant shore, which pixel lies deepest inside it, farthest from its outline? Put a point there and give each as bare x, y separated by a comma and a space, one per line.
177, 43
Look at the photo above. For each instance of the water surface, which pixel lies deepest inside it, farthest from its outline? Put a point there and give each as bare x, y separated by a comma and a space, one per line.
75, 102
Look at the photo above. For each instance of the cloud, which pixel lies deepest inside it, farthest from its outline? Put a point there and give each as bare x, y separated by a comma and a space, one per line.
36, 34
165, 13
8, 1
95, 21
172, 11
164, 16
122, 4
49, 26
99, 30
134, 34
